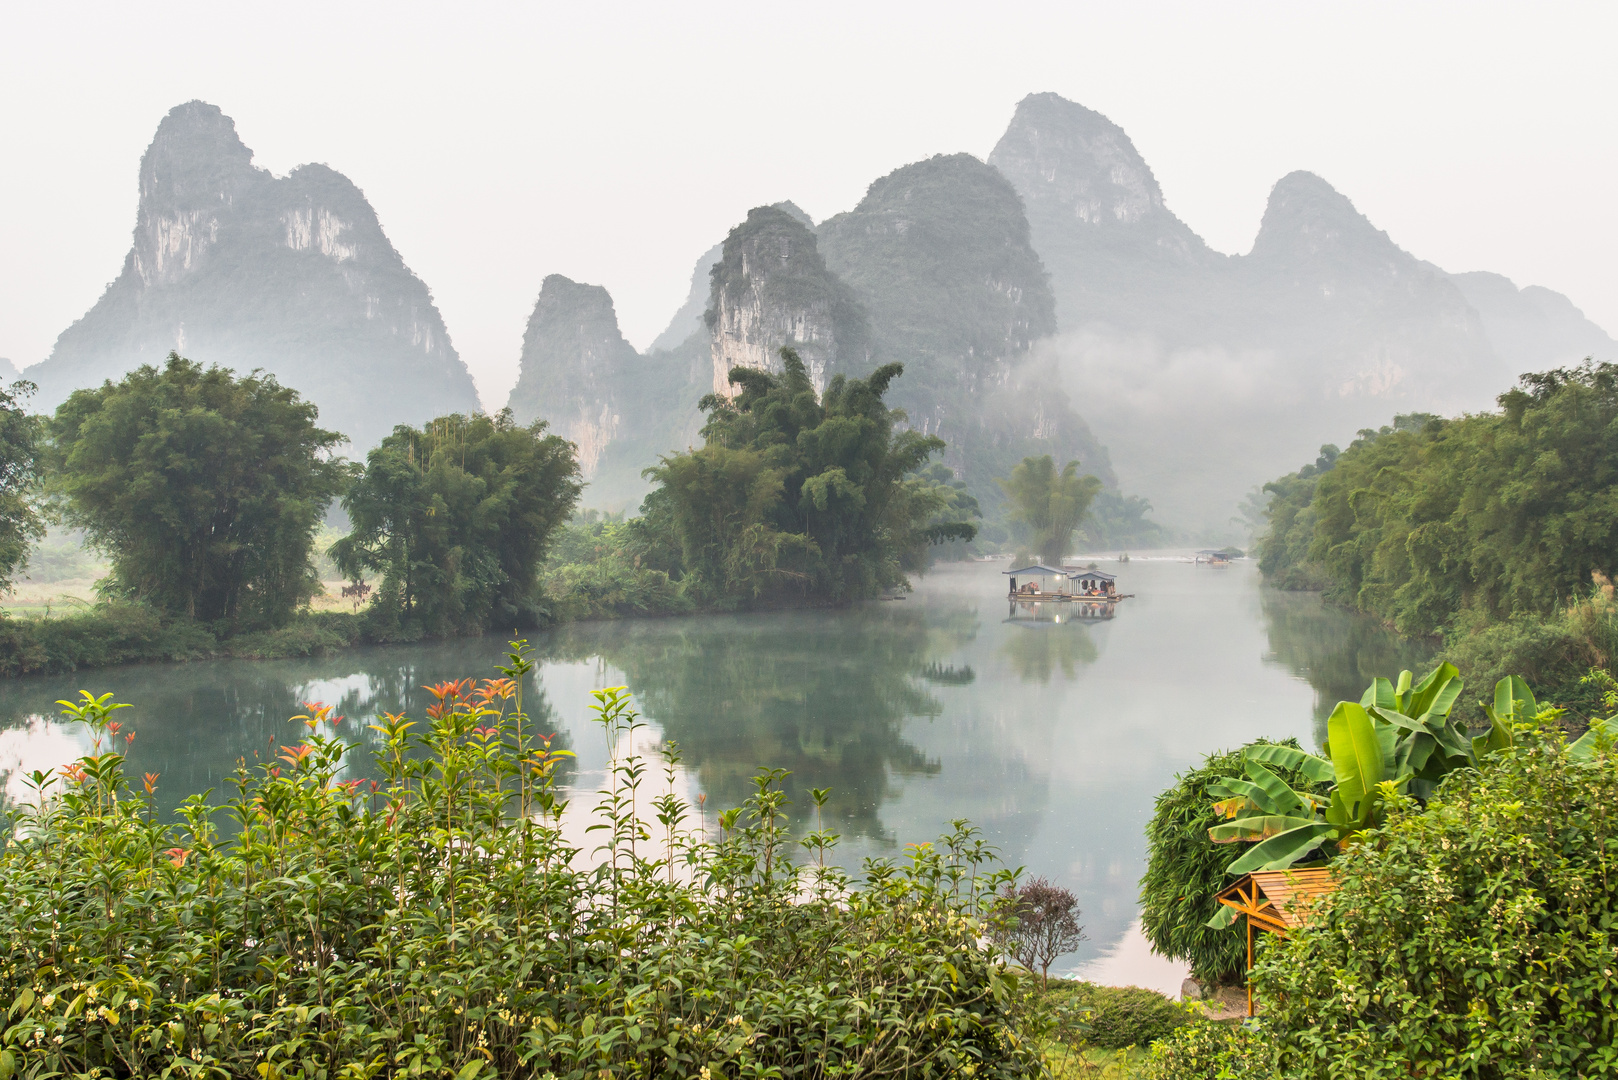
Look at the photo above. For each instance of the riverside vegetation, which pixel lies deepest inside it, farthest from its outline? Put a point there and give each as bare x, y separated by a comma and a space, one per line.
1495, 533
207, 490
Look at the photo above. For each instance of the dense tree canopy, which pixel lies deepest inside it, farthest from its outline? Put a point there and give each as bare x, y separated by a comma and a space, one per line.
204, 489
20, 522
801, 495
1435, 523
1049, 504
456, 516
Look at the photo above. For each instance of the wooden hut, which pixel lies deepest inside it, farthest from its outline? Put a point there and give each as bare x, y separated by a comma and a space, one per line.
1277, 901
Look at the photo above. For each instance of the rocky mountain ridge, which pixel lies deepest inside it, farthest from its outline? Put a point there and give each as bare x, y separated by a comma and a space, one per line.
1220, 372
235, 266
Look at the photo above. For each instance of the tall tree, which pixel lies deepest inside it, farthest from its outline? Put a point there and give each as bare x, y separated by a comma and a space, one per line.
457, 516
204, 489
20, 522
1050, 503
805, 495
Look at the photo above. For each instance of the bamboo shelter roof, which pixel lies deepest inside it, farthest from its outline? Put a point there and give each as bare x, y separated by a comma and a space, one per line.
1278, 900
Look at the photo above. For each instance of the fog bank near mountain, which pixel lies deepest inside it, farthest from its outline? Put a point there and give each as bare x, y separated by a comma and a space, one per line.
1207, 374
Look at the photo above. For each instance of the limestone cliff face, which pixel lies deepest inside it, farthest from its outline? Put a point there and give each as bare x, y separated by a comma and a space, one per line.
689, 319
939, 253
235, 266
577, 371
771, 288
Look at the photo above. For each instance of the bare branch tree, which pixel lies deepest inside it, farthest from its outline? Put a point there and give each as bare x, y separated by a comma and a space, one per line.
1042, 923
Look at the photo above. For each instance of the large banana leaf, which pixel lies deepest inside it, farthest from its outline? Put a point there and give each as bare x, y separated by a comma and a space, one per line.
1357, 758
1278, 790
1287, 757
1380, 695
1235, 787
1257, 828
1427, 692
1513, 701
1586, 746
1401, 696
1222, 918
1281, 851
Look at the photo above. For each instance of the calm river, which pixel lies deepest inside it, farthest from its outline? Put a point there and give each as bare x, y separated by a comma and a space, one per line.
1053, 738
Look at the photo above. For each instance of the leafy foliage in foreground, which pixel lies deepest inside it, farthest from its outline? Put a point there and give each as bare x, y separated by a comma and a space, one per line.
440, 925
1475, 938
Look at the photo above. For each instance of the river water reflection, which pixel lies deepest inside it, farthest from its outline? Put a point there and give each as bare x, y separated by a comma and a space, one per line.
1054, 738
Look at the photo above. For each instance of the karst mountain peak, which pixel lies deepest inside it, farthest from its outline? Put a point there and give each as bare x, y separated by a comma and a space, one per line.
232, 265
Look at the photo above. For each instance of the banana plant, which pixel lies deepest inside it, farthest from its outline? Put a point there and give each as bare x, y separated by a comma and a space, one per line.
1398, 738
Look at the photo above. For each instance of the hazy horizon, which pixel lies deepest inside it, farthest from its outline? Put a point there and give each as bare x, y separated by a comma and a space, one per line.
509, 143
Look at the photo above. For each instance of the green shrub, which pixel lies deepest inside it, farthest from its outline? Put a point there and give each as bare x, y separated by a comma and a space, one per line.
1123, 1016
1476, 938
105, 635
1208, 1050
439, 923
111, 634
1552, 653
1184, 872
313, 633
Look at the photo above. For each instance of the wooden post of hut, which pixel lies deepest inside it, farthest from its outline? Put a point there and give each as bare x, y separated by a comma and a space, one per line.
1277, 901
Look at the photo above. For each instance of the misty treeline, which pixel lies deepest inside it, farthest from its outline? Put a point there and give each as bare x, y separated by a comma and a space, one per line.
1496, 533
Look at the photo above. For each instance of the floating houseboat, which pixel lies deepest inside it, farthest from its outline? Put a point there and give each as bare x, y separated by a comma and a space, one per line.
1062, 585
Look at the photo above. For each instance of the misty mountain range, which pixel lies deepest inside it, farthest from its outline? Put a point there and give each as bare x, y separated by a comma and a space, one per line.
1044, 301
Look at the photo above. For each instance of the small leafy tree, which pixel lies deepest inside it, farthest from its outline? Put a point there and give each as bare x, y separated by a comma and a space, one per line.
20, 521
803, 494
1042, 923
204, 489
1050, 503
457, 515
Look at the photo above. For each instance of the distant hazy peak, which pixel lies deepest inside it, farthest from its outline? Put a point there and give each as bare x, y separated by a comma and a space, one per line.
8, 370
1307, 217
796, 211
1059, 154
576, 367
196, 160
232, 265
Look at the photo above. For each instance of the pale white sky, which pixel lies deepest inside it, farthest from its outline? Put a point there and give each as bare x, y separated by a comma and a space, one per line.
613, 143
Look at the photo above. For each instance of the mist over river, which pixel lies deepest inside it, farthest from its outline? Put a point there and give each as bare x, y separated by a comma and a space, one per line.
1054, 738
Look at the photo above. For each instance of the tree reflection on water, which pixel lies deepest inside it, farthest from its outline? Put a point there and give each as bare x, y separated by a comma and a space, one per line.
1337, 651
822, 694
